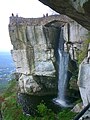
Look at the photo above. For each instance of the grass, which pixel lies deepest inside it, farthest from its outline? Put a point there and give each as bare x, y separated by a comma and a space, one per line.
11, 110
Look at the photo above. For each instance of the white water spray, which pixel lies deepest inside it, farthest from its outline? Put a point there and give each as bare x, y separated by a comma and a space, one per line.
63, 59
62, 79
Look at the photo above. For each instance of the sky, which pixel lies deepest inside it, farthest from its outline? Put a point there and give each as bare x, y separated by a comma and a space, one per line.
24, 8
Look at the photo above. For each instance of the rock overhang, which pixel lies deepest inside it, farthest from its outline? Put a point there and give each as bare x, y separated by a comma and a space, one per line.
78, 10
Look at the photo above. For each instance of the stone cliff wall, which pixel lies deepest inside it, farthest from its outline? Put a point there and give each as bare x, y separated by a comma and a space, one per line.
34, 57
84, 79
35, 41
75, 35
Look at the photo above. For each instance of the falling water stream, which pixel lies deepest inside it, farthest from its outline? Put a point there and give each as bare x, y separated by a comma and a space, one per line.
63, 59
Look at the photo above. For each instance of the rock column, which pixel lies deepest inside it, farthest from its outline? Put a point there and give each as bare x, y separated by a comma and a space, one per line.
84, 79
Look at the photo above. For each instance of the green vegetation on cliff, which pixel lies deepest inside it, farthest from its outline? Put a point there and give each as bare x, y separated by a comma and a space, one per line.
83, 53
11, 110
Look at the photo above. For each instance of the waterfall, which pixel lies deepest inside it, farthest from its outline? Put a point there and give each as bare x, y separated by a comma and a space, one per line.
62, 78
63, 59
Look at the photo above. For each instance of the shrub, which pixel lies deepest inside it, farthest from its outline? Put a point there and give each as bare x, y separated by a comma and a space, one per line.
45, 113
66, 115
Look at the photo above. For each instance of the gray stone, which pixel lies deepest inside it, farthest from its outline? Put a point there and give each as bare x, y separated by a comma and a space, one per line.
18, 36
84, 80
84, 83
44, 68
77, 108
28, 85
34, 57
78, 33
86, 116
21, 61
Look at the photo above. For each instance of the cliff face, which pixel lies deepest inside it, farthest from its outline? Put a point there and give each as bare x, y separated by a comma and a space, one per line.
84, 78
35, 45
79, 10
33, 54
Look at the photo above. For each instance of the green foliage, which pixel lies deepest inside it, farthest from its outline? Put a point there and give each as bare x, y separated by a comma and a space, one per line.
45, 113
11, 110
42, 109
2, 88
66, 115
83, 53
12, 88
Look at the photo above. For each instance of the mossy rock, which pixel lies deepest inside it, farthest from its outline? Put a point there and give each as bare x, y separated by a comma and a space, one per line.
84, 51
